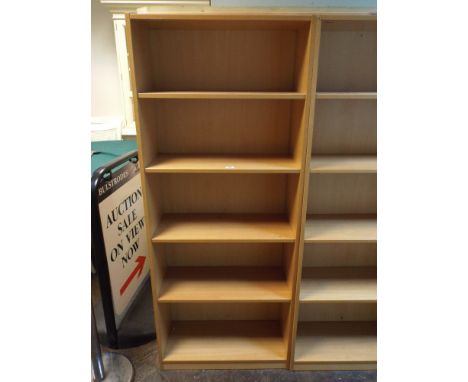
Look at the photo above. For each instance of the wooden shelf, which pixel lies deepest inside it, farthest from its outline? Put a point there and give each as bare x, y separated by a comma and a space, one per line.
336, 345
203, 228
346, 95
340, 229
343, 164
222, 95
221, 342
337, 284
224, 284
223, 164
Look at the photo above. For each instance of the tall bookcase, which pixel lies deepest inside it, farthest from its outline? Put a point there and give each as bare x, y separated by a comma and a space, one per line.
224, 106
335, 315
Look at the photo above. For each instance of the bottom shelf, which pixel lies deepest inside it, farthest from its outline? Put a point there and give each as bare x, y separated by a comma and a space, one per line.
336, 346
221, 344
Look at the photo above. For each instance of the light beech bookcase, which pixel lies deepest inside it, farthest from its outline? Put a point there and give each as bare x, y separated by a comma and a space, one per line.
261, 222
336, 296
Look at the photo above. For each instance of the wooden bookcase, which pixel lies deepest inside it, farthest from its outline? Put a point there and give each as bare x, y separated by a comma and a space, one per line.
224, 104
336, 309
222, 114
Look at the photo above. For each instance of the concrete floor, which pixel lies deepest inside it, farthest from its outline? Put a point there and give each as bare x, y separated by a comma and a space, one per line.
144, 361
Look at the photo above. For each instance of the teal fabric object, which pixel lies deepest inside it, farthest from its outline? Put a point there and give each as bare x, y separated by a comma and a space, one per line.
105, 151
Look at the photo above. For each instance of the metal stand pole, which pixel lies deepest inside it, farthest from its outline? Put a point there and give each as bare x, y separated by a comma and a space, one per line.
110, 366
96, 356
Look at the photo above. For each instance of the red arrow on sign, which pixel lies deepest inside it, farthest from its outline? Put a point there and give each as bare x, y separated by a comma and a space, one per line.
138, 269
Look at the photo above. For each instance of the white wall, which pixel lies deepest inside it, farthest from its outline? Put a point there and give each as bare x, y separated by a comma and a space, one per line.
105, 87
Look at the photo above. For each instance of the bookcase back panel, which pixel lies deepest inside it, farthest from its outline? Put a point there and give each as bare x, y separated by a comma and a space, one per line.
261, 60
222, 193
225, 311
345, 127
219, 126
232, 254
338, 312
348, 57
342, 194
340, 255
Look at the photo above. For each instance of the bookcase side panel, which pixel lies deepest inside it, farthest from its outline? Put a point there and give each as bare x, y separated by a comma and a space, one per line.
142, 81
313, 42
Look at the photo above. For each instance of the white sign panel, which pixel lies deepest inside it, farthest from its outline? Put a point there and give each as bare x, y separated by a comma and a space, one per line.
121, 210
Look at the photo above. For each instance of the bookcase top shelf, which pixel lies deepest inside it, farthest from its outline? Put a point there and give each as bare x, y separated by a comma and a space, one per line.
224, 284
339, 284
221, 95
347, 95
343, 164
340, 229
223, 164
207, 13
206, 228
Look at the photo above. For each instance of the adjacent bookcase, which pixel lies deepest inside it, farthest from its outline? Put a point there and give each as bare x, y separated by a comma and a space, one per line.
222, 112
251, 241
335, 315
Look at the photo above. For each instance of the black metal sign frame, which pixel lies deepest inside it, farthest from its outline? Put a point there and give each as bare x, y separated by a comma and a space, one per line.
99, 251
